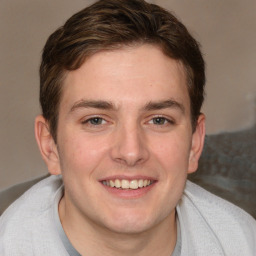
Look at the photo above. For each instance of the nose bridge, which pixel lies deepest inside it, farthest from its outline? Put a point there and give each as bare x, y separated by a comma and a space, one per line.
130, 144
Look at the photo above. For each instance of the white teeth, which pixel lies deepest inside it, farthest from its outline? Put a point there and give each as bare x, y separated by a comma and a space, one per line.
112, 183
117, 183
134, 184
126, 184
140, 184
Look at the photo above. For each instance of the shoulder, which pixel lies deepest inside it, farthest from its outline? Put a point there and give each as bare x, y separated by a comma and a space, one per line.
210, 203
30, 215
36, 199
220, 219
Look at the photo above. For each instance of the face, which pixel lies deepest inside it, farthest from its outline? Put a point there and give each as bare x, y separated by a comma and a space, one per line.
124, 139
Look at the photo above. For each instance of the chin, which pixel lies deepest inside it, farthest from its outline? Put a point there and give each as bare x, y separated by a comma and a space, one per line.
128, 228
132, 223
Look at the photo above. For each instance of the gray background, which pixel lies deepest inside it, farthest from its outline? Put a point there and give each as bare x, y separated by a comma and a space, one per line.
226, 30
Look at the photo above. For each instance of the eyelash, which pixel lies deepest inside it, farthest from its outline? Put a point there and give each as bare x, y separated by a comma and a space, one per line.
161, 118
90, 120
162, 121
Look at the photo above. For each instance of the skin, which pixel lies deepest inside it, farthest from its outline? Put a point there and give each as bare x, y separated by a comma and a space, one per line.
123, 114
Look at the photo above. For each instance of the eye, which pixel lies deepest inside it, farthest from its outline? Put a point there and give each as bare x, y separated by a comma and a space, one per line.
160, 121
94, 121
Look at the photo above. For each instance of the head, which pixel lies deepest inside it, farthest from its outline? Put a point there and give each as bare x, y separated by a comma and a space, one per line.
122, 84
109, 25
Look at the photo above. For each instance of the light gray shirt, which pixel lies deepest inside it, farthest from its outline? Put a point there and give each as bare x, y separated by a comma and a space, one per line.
208, 224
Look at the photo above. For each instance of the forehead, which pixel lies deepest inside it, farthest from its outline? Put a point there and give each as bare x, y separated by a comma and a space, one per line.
141, 73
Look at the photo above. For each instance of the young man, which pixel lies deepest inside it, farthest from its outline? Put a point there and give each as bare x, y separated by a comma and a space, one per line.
122, 84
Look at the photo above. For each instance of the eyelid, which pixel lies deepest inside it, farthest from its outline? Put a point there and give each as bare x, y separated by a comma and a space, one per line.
168, 119
86, 119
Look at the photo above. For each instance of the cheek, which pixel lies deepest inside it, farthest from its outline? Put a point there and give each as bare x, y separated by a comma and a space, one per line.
81, 155
172, 152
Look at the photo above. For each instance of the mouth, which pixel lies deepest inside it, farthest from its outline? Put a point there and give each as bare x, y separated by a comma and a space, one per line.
124, 184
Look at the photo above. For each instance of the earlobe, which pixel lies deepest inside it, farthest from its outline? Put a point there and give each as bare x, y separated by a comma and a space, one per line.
46, 145
197, 144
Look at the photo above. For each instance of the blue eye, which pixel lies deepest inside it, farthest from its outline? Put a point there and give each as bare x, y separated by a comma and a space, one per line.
94, 121
160, 120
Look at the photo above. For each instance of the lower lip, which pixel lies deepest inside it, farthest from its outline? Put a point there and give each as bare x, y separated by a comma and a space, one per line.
129, 193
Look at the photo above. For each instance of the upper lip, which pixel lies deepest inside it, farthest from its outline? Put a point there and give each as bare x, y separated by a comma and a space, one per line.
125, 177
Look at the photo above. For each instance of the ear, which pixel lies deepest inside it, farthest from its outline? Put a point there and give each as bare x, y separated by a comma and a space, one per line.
197, 144
47, 145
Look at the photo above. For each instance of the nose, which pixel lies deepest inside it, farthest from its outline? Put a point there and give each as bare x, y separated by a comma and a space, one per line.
129, 146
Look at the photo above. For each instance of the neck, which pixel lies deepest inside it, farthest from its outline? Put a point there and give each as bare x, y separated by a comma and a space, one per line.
89, 238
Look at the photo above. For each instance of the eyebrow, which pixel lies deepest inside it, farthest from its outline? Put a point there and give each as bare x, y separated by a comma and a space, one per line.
165, 104
99, 104
106, 105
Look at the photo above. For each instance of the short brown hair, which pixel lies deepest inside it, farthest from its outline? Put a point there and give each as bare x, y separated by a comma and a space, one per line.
111, 24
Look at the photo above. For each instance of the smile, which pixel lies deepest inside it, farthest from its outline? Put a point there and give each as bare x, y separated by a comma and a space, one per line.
126, 184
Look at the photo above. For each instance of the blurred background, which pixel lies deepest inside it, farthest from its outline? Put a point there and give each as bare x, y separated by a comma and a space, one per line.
226, 30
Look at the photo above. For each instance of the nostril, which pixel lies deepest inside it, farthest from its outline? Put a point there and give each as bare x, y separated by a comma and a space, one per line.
129, 146
129, 161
